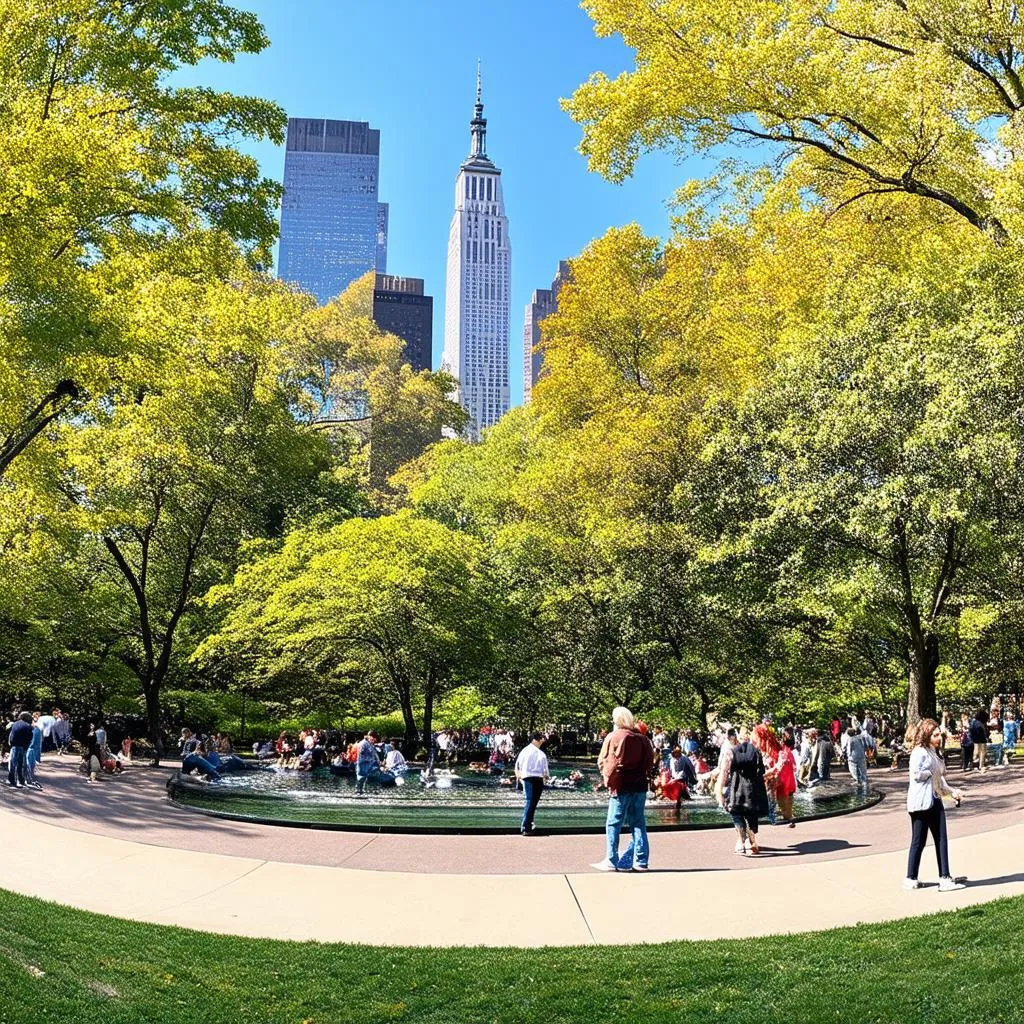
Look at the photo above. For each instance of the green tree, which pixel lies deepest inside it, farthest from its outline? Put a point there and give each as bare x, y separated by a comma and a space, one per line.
105, 161
398, 601
917, 100
193, 451
885, 460
360, 385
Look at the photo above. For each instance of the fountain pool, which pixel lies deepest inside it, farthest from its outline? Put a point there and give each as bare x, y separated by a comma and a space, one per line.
458, 802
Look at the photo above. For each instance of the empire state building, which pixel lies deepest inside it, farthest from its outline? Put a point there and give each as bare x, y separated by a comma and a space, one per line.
477, 284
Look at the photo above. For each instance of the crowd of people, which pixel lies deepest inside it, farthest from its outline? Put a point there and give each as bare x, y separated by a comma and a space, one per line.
756, 775
753, 772
30, 734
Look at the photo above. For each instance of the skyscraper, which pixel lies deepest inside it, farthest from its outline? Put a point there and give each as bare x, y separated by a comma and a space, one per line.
477, 284
333, 229
401, 308
543, 304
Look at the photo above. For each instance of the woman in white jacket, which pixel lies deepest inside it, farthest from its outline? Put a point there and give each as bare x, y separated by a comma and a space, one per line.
924, 803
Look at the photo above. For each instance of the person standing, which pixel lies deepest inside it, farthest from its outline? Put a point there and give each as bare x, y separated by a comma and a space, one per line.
46, 723
979, 737
824, 752
741, 792
924, 804
857, 745
966, 744
627, 764
807, 755
61, 731
763, 737
19, 737
531, 771
1011, 733
34, 754
785, 784
661, 744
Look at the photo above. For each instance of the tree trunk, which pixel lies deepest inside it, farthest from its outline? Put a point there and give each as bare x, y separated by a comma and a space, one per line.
705, 710
409, 719
152, 692
924, 661
428, 711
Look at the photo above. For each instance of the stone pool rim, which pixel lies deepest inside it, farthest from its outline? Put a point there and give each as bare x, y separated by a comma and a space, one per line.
177, 781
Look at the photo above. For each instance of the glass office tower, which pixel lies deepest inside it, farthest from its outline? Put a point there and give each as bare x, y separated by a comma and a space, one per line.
333, 229
401, 308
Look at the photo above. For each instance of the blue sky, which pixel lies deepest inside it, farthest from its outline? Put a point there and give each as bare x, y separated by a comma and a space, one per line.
408, 67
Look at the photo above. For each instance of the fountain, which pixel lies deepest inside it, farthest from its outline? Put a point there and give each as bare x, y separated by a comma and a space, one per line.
435, 800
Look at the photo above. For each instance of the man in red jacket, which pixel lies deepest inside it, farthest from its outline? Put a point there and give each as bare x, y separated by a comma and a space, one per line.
627, 764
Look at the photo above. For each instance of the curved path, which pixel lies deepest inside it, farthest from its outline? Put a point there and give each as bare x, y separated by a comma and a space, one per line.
119, 848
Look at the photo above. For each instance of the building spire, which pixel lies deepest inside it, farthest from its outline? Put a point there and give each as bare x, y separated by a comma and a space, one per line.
478, 126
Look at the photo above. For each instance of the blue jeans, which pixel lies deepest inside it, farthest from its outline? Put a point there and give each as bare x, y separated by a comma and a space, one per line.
383, 778
16, 774
190, 761
626, 810
31, 760
532, 789
859, 773
746, 824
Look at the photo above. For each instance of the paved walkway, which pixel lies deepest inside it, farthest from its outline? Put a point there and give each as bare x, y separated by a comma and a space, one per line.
118, 848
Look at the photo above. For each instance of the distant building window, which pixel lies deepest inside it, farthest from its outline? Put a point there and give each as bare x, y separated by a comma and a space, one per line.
488, 189
473, 196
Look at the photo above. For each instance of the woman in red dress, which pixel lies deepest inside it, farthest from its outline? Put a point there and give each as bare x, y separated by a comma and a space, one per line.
785, 781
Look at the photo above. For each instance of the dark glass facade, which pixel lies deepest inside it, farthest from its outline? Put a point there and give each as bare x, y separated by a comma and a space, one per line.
543, 304
401, 308
333, 229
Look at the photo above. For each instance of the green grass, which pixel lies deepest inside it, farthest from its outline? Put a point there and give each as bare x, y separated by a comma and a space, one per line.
958, 967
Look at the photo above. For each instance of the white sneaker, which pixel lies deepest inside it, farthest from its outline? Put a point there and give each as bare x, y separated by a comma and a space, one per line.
740, 849
604, 865
950, 885
911, 883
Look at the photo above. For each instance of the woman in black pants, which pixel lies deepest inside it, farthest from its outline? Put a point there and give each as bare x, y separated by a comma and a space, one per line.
924, 803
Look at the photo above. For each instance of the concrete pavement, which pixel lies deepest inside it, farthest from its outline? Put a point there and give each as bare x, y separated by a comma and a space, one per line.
80, 862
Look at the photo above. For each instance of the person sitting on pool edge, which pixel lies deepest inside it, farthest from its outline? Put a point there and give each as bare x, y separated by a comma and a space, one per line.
368, 764
395, 761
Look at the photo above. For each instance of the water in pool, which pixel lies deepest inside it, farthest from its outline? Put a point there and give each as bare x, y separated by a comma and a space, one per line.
459, 801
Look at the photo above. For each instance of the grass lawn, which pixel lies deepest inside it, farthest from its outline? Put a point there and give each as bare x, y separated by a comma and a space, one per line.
67, 965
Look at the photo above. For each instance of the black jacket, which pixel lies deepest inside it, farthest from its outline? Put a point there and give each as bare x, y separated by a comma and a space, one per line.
979, 731
747, 793
21, 734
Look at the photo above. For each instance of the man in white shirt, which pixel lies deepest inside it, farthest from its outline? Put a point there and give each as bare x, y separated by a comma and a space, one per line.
46, 723
531, 771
